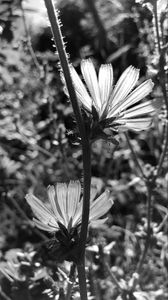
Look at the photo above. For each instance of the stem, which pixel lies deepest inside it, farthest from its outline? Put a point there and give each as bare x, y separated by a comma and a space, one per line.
163, 222
29, 44
101, 30
71, 281
156, 24
82, 281
134, 156
53, 17
148, 235
162, 78
31, 224
164, 151
113, 278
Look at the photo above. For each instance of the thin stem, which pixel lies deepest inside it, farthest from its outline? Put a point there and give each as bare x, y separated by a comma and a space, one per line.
29, 44
31, 224
148, 235
162, 77
113, 278
82, 281
163, 222
71, 280
134, 156
164, 151
98, 22
156, 24
33, 146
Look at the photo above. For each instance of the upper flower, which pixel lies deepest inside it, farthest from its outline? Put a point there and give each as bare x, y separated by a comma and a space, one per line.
65, 209
117, 107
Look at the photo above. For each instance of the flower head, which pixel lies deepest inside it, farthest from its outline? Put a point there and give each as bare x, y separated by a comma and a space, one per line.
62, 214
117, 107
66, 207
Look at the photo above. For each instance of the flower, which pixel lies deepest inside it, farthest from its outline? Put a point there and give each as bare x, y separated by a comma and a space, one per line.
65, 209
64, 216
118, 107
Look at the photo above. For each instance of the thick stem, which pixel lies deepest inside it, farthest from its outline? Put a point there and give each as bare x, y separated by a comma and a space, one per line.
82, 281
53, 17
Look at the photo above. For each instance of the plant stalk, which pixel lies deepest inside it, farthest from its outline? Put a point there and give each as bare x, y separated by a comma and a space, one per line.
82, 281
55, 26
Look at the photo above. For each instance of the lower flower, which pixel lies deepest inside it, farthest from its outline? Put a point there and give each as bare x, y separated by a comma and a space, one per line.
62, 215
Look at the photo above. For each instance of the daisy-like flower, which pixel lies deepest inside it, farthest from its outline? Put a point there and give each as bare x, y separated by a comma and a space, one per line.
62, 215
65, 207
117, 107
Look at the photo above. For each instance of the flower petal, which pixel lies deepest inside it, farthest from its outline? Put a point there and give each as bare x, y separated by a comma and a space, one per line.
141, 109
99, 222
100, 206
136, 124
44, 227
54, 203
39, 209
74, 191
138, 94
80, 89
61, 192
78, 214
105, 80
90, 77
124, 85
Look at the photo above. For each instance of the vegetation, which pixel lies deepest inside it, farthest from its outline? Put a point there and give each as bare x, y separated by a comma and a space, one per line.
48, 136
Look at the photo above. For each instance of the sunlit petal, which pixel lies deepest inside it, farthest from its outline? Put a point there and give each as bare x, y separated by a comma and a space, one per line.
141, 109
54, 202
136, 124
138, 94
37, 206
74, 191
80, 89
124, 85
44, 227
99, 222
105, 80
78, 214
61, 191
90, 77
100, 206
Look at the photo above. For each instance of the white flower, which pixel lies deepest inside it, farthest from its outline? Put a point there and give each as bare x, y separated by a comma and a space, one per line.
118, 105
66, 207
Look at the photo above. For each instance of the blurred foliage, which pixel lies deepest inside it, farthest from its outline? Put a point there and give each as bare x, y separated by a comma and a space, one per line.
38, 147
